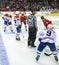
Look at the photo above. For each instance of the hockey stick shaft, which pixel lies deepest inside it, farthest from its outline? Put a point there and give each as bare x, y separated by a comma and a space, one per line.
22, 34
51, 53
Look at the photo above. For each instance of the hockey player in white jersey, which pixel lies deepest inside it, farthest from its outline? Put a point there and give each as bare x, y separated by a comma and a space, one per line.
5, 18
7, 22
17, 25
47, 37
10, 23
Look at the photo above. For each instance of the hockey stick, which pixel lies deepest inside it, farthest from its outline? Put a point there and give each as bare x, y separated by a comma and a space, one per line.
22, 34
51, 53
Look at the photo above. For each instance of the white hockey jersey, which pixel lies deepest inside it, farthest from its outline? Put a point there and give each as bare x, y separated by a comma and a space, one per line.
17, 21
5, 18
10, 19
47, 36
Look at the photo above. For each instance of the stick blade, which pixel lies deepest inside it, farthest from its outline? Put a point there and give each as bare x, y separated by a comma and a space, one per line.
47, 54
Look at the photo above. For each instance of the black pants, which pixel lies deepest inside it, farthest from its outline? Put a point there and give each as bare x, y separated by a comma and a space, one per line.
32, 36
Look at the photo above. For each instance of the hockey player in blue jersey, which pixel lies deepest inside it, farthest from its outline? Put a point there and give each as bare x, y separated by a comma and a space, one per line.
47, 37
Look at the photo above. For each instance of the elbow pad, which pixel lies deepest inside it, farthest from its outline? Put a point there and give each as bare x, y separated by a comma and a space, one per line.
39, 39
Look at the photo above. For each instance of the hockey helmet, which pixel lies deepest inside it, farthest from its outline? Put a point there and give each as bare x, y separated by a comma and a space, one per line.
6, 14
50, 26
42, 17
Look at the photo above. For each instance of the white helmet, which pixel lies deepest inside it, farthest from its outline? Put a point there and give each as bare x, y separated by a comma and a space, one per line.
50, 26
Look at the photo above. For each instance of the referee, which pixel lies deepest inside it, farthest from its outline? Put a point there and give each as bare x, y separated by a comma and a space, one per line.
32, 28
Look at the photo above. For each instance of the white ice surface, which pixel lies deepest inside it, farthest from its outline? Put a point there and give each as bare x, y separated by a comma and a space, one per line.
18, 52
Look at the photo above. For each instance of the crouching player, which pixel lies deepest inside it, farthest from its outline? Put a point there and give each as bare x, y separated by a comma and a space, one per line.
18, 26
47, 37
45, 21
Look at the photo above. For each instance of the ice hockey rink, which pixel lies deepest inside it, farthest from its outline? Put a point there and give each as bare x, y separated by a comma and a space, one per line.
14, 52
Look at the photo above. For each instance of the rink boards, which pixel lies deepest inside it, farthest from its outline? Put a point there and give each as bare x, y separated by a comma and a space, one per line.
54, 17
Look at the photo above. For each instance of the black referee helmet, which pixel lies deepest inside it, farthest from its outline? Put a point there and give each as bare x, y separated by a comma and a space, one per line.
42, 17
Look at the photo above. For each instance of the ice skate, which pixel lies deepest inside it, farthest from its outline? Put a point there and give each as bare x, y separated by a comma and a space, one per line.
33, 46
37, 58
11, 30
26, 29
18, 39
56, 58
4, 30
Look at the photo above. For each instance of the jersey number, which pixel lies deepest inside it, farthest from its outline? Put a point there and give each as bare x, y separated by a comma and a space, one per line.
48, 33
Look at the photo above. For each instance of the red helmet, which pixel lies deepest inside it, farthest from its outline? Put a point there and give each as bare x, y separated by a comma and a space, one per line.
6, 14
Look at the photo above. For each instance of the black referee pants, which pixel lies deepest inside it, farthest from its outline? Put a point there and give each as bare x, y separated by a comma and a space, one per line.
32, 36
